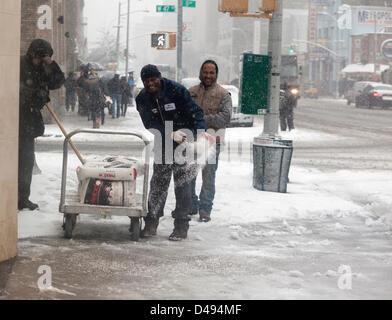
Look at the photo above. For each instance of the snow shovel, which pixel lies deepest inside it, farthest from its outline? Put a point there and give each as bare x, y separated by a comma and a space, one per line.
65, 133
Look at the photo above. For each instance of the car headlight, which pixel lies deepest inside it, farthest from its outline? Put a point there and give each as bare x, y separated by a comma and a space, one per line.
294, 91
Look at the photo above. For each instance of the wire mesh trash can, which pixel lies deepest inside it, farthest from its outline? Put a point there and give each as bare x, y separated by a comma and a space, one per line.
271, 164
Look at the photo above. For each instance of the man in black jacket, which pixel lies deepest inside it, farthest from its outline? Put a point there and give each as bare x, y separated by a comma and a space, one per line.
70, 92
126, 98
167, 110
38, 74
96, 91
114, 86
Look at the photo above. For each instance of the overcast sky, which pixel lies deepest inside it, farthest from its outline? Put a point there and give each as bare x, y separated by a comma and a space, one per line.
103, 14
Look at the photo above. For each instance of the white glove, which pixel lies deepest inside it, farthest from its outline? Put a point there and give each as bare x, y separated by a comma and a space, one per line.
108, 100
179, 136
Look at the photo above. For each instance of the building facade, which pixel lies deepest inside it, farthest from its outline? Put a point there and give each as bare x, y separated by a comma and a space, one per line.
343, 32
10, 16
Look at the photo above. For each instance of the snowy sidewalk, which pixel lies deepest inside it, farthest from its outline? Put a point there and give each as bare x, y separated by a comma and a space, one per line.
331, 231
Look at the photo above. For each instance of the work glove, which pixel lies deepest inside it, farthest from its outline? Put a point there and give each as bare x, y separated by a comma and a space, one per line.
179, 136
209, 138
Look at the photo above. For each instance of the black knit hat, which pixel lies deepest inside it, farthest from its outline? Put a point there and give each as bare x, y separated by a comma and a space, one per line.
150, 71
40, 48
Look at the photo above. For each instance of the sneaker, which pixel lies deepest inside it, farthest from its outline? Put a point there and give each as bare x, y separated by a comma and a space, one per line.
150, 228
27, 204
204, 217
178, 235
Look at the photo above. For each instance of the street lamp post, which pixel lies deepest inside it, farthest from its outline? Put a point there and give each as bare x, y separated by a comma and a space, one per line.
118, 35
127, 47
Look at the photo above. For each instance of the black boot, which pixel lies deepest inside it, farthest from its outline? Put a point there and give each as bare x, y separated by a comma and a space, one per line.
27, 204
180, 231
150, 228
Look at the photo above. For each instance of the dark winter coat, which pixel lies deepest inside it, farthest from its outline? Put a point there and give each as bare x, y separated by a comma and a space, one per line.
175, 104
70, 85
114, 86
96, 91
126, 92
35, 83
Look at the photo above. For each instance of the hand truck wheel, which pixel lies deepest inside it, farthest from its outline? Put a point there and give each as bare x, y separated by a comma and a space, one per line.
69, 225
135, 229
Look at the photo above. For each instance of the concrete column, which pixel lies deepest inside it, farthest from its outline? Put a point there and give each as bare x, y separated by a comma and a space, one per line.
10, 11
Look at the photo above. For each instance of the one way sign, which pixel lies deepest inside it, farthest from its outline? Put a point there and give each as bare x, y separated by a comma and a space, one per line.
159, 40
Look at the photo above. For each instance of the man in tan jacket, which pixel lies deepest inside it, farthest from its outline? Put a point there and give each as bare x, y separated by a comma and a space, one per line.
217, 106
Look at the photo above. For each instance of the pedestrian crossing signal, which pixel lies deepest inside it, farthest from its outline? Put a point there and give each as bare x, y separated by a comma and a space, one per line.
164, 40
158, 40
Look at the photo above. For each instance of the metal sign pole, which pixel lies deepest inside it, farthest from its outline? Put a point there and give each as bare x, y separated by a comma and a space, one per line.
127, 49
271, 119
179, 40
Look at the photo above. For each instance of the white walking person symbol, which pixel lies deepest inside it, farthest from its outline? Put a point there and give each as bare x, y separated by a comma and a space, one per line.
161, 41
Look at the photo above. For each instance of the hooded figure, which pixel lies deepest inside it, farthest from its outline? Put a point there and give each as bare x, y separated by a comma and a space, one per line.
38, 74
96, 91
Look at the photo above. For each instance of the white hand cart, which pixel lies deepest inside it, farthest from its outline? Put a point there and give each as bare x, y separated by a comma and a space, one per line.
70, 202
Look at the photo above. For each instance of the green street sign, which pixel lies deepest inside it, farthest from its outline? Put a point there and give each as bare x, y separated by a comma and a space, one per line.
166, 8
189, 3
254, 83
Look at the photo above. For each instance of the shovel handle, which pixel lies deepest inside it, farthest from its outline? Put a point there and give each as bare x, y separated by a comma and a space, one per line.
65, 133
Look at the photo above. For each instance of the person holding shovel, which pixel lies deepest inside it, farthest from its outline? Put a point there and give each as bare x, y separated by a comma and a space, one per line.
38, 74
167, 109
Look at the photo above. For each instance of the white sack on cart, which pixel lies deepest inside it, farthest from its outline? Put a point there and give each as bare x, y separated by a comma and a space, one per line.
110, 181
108, 193
111, 168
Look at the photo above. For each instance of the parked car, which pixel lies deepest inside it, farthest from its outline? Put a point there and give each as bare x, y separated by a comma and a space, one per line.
240, 120
237, 119
351, 93
235, 94
190, 82
375, 95
139, 86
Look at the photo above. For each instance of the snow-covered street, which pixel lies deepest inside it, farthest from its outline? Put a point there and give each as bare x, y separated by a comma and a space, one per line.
329, 237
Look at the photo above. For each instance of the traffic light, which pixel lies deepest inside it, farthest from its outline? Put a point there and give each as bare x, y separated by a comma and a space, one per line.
292, 49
